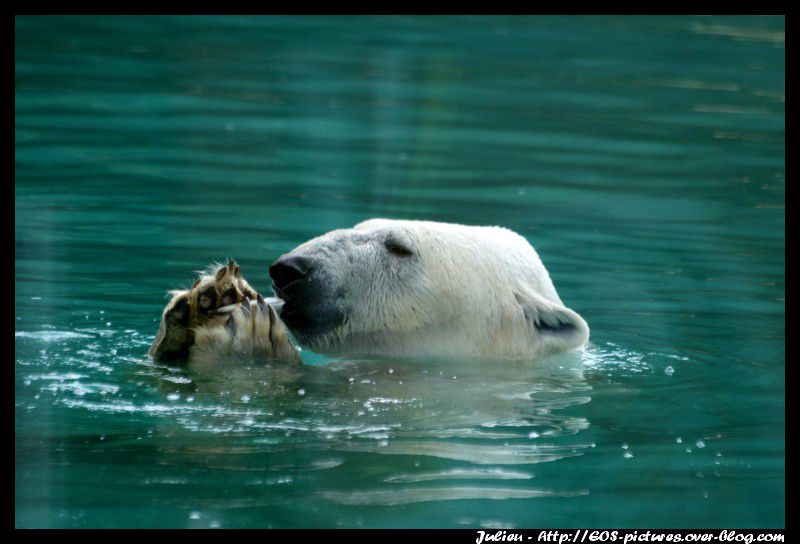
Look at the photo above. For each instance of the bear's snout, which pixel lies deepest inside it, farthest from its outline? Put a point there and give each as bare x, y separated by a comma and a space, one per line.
288, 271
309, 309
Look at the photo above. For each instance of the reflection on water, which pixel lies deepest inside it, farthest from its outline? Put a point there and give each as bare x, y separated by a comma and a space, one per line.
642, 157
482, 415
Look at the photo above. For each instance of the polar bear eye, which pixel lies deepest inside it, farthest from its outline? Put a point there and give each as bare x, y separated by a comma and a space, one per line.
396, 248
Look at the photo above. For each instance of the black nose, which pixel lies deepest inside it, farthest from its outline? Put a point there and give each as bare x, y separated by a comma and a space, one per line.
287, 270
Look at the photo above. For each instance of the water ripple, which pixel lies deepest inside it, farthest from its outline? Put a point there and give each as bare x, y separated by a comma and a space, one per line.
396, 497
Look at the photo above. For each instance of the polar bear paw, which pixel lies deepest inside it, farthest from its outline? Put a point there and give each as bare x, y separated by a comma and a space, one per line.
221, 317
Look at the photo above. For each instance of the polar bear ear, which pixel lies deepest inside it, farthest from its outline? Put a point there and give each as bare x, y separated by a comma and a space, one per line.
552, 320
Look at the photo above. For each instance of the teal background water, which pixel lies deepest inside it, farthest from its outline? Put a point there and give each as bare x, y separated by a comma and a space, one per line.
642, 157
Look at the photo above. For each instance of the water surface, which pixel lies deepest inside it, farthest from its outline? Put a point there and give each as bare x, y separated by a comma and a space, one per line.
642, 157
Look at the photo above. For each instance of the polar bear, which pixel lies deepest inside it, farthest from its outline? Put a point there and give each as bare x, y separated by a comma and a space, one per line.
383, 287
417, 288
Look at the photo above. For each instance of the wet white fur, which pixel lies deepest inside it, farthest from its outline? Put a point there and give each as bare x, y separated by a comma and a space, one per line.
465, 291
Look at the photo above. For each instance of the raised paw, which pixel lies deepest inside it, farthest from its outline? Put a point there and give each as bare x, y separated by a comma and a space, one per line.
218, 285
221, 315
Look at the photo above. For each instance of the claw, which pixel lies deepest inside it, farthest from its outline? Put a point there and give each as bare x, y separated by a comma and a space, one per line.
230, 325
227, 309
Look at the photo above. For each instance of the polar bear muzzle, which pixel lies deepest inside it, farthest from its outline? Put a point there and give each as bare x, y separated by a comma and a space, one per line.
309, 308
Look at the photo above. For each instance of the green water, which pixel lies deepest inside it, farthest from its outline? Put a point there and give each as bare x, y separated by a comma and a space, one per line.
642, 157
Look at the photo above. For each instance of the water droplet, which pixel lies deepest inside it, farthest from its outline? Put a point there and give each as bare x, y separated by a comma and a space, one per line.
700, 444
173, 396
624, 446
194, 515
391, 371
669, 371
627, 455
679, 440
533, 434
245, 399
301, 392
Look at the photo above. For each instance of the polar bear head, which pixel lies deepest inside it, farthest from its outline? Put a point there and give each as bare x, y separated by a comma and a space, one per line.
393, 287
